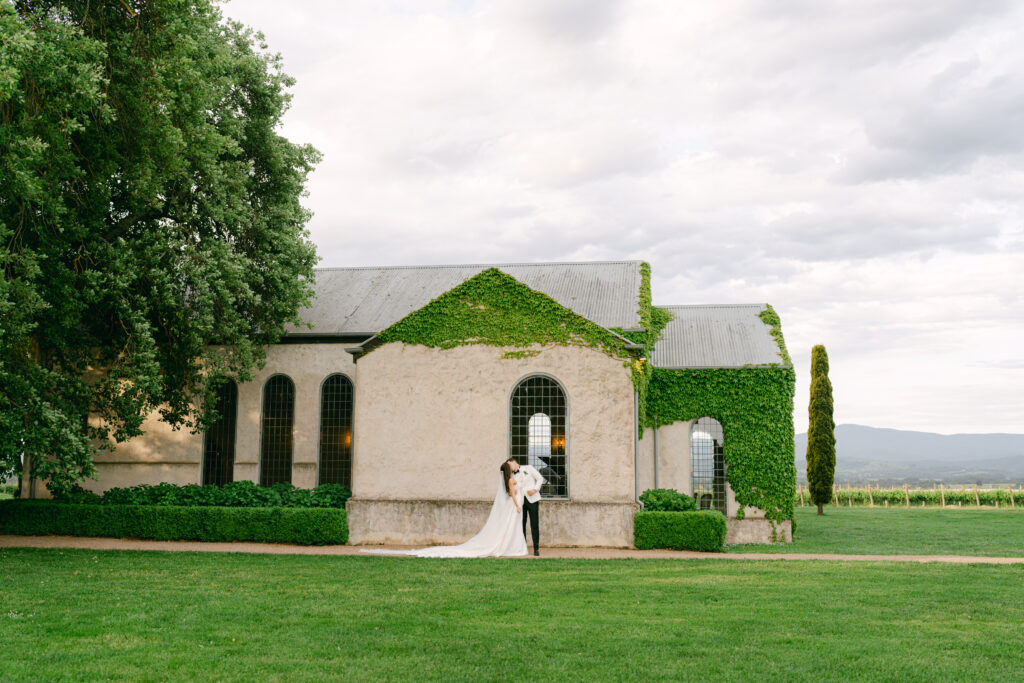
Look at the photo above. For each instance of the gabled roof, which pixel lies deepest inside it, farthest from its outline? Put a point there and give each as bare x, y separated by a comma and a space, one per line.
716, 336
364, 301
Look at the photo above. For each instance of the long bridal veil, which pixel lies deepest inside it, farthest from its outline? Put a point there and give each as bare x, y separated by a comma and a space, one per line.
501, 535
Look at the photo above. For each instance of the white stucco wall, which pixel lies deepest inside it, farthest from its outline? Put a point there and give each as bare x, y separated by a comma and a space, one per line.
166, 455
432, 424
308, 365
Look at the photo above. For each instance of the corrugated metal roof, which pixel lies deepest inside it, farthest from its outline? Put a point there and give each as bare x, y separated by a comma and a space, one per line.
367, 300
715, 336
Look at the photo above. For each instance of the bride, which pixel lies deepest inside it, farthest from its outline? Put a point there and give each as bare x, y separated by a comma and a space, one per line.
501, 536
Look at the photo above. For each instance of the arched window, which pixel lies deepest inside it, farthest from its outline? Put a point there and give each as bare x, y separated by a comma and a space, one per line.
276, 430
537, 431
219, 440
707, 464
336, 431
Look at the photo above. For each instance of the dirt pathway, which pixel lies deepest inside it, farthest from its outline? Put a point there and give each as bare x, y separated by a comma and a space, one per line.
7, 541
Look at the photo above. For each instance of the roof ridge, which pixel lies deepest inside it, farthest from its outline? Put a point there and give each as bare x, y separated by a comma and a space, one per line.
708, 305
479, 265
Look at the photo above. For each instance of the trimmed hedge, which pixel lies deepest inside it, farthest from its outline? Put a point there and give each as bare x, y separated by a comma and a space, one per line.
235, 494
702, 530
304, 526
666, 500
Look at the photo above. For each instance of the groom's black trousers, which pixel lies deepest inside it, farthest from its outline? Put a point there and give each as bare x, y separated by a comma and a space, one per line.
533, 510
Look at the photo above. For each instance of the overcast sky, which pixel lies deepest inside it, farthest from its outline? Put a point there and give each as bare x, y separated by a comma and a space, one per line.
856, 164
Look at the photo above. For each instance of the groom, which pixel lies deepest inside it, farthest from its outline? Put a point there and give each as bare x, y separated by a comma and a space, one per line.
529, 481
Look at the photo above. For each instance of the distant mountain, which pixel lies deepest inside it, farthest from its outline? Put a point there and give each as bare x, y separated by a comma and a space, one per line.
894, 456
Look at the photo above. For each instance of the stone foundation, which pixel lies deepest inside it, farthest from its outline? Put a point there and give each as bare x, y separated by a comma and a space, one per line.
449, 522
757, 531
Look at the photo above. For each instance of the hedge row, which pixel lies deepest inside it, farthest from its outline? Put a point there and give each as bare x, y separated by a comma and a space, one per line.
898, 496
305, 526
696, 530
235, 494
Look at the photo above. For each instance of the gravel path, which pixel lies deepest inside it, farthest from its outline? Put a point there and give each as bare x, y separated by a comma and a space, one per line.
7, 541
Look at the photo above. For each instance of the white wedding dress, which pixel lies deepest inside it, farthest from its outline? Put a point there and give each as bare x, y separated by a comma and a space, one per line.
501, 536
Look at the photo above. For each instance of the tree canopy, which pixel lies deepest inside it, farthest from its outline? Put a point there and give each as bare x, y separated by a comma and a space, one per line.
152, 238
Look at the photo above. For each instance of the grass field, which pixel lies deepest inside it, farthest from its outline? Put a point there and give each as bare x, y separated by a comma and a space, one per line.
904, 531
137, 615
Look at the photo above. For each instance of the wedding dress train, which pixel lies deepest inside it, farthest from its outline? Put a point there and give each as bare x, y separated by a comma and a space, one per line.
501, 535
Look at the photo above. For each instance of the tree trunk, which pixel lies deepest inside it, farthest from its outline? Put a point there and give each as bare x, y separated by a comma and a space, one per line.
820, 511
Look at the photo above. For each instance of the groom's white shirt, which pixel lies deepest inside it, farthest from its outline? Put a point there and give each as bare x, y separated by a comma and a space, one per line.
529, 479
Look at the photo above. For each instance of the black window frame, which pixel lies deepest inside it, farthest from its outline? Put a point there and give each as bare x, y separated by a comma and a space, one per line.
283, 436
533, 394
336, 428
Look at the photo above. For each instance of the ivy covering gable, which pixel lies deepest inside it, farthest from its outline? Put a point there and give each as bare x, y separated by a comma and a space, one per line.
495, 309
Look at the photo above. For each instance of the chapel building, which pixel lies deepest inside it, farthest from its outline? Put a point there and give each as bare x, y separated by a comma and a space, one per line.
415, 383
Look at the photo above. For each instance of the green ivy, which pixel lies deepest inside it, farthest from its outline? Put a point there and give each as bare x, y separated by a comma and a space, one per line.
653, 321
755, 407
770, 318
495, 309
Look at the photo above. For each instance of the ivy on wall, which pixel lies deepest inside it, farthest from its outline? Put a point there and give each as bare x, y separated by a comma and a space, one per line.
770, 318
653, 321
755, 408
495, 309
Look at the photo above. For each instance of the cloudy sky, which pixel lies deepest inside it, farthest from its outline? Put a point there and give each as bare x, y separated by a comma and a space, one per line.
856, 164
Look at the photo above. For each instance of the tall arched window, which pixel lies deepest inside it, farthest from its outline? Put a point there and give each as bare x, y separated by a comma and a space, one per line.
537, 431
219, 440
336, 431
276, 430
707, 464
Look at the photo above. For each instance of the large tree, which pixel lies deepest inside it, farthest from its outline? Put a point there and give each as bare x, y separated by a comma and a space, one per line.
821, 432
152, 239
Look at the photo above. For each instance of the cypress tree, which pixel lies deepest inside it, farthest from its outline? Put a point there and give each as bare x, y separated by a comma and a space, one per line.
821, 431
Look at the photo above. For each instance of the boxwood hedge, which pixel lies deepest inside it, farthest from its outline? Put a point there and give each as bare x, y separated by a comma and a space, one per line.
666, 500
305, 526
235, 494
695, 530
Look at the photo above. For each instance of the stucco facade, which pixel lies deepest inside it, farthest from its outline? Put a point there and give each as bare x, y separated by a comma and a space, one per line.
437, 423
175, 456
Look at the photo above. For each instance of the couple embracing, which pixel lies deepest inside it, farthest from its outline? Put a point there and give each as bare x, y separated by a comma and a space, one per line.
504, 532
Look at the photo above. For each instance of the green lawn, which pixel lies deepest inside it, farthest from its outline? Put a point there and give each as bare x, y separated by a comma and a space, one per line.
912, 531
137, 615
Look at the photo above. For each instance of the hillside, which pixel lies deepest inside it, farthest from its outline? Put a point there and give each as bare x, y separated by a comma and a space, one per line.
894, 456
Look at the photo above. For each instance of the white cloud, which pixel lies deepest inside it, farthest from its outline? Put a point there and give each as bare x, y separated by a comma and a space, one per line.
858, 165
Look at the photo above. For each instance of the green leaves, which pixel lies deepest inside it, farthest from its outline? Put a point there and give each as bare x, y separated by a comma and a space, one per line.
495, 309
770, 318
666, 500
821, 439
305, 526
152, 239
702, 530
755, 407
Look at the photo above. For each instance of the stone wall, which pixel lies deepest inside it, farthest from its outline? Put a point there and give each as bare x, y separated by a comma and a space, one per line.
449, 522
166, 455
757, 531
433, 424
308, 365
